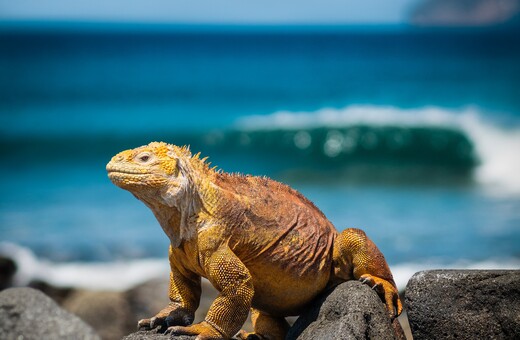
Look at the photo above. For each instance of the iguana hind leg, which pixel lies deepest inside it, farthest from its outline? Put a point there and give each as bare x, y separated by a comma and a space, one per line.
266, 327
355, 256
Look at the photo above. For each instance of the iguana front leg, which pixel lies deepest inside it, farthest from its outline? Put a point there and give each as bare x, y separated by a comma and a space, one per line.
230, 309
184, 293
355, 256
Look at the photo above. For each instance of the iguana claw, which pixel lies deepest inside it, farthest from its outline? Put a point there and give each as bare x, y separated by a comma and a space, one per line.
154, 322
243, 335
386, 291
169, 316
203, 331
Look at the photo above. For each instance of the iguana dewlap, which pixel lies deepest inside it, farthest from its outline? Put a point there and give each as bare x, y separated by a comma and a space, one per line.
263, 245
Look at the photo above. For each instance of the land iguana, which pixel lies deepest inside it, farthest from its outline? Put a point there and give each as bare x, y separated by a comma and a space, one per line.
264, 246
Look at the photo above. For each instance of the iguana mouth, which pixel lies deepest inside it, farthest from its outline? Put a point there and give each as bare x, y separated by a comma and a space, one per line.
111, 169
127, 172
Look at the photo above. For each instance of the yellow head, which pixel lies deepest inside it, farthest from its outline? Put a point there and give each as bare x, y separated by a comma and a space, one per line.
150, 171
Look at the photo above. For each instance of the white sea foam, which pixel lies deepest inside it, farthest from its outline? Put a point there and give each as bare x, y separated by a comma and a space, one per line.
404, 271
497, 148
120, 276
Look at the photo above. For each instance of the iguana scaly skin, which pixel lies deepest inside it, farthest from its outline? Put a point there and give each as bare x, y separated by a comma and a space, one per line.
263, 245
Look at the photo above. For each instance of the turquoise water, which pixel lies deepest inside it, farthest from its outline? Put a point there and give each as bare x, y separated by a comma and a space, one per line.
412, 135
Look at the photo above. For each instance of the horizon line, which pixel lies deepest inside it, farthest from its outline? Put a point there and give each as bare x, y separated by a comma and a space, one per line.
220, 27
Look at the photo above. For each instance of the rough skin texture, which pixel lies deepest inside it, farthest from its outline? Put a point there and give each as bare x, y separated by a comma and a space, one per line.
263, 245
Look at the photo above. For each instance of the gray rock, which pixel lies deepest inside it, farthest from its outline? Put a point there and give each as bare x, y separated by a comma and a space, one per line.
351, 311
108, 312
148, 298
26, 313
464, 304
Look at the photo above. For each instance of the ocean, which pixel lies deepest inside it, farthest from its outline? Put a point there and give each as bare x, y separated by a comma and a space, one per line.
411, 134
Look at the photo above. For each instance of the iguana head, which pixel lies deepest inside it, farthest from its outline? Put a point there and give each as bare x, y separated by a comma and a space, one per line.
151, 171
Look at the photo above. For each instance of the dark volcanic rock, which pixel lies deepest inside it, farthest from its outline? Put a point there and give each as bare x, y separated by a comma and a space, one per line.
464, 304
7, 271
153, 335
351, 311
26, 313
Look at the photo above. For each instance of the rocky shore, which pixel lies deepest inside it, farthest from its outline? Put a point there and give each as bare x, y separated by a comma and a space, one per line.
350, 311
464, 304
26, 313
443, 304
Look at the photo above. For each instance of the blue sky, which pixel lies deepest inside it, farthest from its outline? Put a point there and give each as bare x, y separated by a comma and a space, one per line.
211, 11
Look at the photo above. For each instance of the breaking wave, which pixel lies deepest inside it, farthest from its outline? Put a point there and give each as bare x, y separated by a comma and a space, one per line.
457, 140
357, 144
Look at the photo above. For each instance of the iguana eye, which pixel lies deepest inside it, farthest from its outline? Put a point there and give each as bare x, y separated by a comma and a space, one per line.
144, 157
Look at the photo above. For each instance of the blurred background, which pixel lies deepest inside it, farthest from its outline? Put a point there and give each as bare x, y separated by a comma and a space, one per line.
401, 118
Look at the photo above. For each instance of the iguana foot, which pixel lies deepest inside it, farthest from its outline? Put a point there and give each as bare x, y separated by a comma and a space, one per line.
203, 330
169, 316
151, 323
386, 291
243, 335
266, 327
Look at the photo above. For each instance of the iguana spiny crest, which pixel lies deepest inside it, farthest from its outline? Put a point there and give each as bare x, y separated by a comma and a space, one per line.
169, 180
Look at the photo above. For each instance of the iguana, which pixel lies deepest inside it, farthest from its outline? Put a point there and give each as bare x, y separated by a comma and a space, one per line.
264, 246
